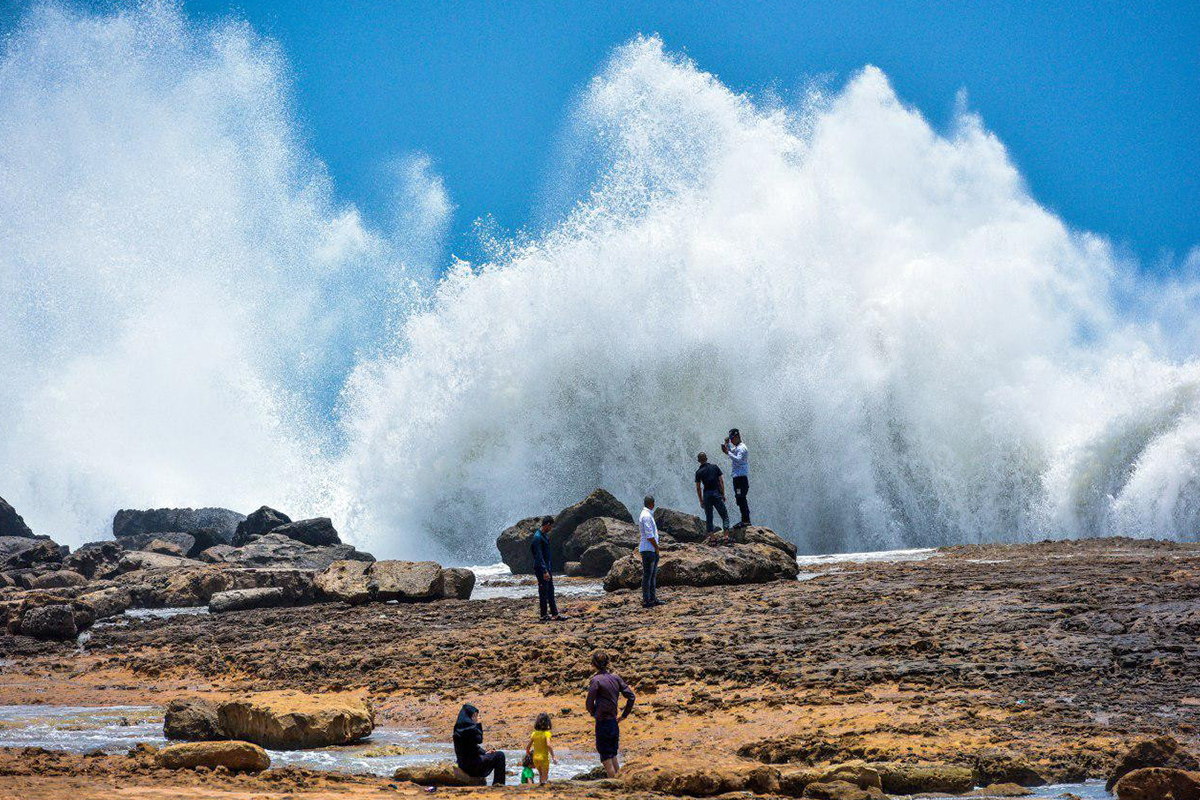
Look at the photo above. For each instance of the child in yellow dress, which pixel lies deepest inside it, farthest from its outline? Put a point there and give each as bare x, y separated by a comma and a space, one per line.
539, 747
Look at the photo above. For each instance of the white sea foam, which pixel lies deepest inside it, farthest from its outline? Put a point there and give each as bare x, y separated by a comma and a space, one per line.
917, 352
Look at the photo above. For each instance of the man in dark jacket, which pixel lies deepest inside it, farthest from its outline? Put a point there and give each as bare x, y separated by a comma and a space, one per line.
539, 545
468, 748
605, 689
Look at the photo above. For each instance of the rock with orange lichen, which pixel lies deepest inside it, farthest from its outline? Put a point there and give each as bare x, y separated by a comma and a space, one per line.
232, 755
296, 721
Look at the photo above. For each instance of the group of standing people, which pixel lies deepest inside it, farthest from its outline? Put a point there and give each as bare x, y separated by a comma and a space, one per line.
603, 703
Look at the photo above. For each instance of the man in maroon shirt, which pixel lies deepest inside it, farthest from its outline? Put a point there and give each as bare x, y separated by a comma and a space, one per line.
604, 692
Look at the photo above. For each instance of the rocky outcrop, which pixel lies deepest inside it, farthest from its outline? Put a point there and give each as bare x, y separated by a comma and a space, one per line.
754, 534
1162, 751
701, 565
441, 773
135, 560
216, 554
108, 603
195, 586
599, 503
597, 560
50, 615
317, 532
513, 544
233, 756
222, 521
50, 622
358, 582
22, 552
597, 531
11, 523
96, 559
244, 599
192, 720
701, 781
277, 550
1159, 783
680, 526
296, 721
259, 523
457, 583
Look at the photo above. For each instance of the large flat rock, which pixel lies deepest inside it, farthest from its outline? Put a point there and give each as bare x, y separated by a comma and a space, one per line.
296, 721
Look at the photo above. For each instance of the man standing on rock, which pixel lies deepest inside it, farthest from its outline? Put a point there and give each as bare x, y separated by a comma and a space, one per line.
648, 548
604, 692
740, 470
710, 488
539, 545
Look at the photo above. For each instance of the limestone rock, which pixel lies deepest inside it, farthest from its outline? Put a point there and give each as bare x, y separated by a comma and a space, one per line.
259, 523
276, 550
1163, 751
1159, 783
701, 565
597, 560
110, 602
139, 559
295, 721
457, 583
192, 720
129, 522
381, 581
184, 543
234, 756
243, 599
11, 523
216, 554
679, 526
598, 531
195, 586
840, 790
513, 544
599, 503
755, 534
58, 579
997, 765
925, 778
441, 773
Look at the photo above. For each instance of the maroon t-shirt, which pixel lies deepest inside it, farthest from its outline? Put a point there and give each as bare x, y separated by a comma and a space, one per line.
604, 693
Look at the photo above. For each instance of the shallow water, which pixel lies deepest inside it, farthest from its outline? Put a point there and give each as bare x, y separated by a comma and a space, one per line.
917, 554
116, 729
497, 580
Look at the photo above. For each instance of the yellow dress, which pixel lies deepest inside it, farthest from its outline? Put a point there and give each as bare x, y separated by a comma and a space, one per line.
541, 749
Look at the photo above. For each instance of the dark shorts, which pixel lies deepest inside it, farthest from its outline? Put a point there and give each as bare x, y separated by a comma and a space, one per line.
608, 738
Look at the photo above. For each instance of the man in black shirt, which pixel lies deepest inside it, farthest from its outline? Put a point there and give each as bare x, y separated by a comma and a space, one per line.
710, 488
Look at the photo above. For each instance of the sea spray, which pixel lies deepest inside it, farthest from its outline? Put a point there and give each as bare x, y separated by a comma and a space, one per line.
916, 352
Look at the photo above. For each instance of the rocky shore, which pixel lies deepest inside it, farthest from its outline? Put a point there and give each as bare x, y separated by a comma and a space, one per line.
1018, 665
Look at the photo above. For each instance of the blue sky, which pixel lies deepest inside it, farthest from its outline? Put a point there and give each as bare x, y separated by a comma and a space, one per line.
1099, 103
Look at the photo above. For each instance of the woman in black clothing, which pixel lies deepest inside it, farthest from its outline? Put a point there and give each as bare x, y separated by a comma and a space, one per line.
468, 748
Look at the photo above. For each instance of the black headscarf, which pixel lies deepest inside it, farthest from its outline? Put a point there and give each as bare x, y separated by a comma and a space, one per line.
468, 739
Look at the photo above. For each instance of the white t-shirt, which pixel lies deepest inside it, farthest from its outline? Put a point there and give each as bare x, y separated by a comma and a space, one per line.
649, 531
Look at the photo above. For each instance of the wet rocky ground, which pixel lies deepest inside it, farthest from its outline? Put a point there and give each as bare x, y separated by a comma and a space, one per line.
1040, 659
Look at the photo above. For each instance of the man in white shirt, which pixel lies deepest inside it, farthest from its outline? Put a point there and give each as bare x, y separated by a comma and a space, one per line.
648, 547
740, 470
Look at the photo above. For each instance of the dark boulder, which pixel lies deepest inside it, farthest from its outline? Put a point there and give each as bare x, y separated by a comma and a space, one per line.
752, 534
20, 552
96, 560
318, 532
598, 559
1159, 783
680, 526
11, 523
50, 622
259, 523
108, 603
129, 522
600, 530
997, 765
216, 554
58, 579
700, 565
457, 583
513, 544
192, 721
1163, 751
599, 503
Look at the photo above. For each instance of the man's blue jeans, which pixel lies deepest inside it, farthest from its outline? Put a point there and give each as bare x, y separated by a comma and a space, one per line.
649, 577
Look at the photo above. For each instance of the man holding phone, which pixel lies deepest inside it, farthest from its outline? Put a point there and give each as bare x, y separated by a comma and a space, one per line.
740, 470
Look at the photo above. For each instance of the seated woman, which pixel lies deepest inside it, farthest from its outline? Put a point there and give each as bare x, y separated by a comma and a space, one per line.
468, 748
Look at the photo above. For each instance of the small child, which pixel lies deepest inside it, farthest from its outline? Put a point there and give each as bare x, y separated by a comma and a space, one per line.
527, 769
539, 750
